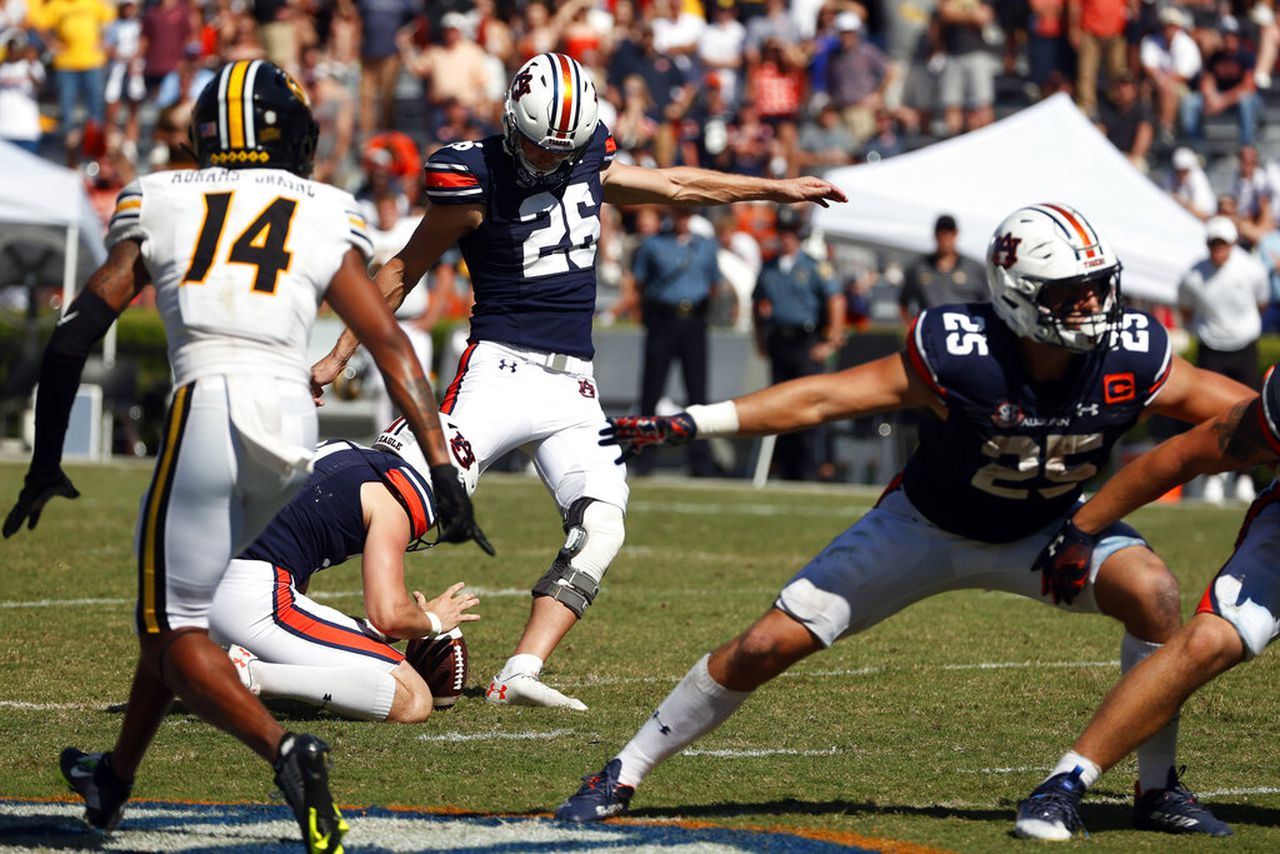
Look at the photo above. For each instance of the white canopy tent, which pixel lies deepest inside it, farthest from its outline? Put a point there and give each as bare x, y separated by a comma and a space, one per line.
50, 232
1048, 152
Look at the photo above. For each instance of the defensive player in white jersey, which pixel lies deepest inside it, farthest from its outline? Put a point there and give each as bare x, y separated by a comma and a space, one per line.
1030, 393
240, 251
524, 208
1237, 618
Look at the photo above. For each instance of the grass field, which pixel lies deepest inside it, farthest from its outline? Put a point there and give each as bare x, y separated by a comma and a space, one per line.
925, 730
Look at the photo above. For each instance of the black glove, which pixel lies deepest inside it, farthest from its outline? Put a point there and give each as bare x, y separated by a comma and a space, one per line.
38, 488
634, 433
457, 521
1064, 563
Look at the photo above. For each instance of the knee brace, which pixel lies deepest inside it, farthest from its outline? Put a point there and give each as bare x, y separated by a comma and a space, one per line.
593, 534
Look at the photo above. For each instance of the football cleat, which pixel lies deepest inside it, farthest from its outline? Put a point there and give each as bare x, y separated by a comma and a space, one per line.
242, 658
600, 796
1175, 810
1052, 810
91, 776
525, 689
303, 778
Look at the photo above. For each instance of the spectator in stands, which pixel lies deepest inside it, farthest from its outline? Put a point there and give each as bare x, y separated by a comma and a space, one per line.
167, 29
380, 60
1268, 250
74, 29
825, 142
943, 276
334, 110
1189, 186
858, 75
185, 82
676, 32
676, 276
720, 47
775, 23
21, 76
125, 65
457, 68
799, 309
885, 142
277, 32
968, 76
1226, 86
492, 32
638, 118
457, 123
1126, 120
776, 83
1256, 192
1047, 47
752, 143
1263, 16
1222, 299
1171, 60
670, 90
1095, 28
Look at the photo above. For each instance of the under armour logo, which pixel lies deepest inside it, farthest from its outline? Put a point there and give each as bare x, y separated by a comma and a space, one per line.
586, 389
1083, 409
662, 728
504, 365
494, 688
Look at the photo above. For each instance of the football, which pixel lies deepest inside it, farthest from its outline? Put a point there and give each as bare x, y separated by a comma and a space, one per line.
442, 663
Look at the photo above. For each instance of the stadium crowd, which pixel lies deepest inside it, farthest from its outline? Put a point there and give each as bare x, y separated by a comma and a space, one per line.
756, 87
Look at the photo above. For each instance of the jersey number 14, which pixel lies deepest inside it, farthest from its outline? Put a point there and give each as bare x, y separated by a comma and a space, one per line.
261, 244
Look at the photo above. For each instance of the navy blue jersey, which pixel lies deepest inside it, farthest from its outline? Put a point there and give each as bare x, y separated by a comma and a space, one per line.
1013, 453
323, 524
532, 262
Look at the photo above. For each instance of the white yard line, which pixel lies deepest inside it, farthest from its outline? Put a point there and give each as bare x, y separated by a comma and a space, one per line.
525, 735
759, 752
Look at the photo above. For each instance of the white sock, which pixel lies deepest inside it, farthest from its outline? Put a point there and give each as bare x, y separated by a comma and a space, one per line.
353, 692
525, 662
694, 708
1070, 761
1157, 754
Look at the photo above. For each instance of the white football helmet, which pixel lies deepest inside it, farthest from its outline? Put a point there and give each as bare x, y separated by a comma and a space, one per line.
1042, 262
399, 440
552, 103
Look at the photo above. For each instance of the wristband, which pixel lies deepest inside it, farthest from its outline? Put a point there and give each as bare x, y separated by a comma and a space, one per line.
716, 419
436, 626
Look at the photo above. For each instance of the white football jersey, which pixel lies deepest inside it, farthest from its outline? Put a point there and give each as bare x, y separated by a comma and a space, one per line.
240, 259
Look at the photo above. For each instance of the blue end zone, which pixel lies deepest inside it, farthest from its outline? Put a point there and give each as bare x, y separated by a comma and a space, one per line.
260, 829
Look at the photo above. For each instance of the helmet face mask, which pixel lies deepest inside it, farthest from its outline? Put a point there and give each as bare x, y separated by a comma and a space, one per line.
551, 108
1054, 279
254, 115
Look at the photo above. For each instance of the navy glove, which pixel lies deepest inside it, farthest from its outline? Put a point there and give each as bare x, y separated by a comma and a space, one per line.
634, 433
37, 489
457, 522
1064, 563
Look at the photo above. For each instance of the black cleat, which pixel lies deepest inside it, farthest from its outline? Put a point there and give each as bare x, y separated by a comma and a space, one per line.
91, 776
1052, 811
303, 777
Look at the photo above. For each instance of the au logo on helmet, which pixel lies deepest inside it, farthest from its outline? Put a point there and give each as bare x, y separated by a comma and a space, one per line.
1004, 252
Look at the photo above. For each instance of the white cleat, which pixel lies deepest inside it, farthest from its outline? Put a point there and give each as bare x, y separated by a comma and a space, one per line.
241, 658
524, 689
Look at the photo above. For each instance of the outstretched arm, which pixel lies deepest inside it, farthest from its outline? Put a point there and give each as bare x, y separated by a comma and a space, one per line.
1236, 439
106, 294
884, 385
625, 184
441, 227
1195, 395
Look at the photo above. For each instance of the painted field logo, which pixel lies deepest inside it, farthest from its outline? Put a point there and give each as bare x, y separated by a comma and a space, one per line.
162, 826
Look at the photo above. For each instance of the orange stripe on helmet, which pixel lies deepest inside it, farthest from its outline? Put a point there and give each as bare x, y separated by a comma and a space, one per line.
1075, 223
566, 100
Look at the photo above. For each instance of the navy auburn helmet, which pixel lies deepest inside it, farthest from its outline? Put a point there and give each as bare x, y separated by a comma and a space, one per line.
254, 115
